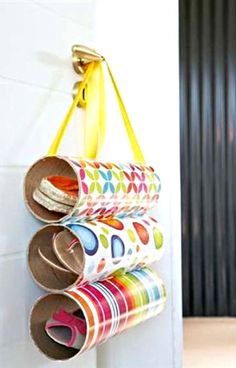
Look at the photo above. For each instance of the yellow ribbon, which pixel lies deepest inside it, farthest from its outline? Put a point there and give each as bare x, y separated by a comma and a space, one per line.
95, 113
138, 155
59, 136
95, 124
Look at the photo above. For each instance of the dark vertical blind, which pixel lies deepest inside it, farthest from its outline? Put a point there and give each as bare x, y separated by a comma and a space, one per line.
208, 155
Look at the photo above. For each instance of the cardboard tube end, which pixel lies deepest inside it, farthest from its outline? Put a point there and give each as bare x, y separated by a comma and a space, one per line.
42, 311
48, 277
47, 166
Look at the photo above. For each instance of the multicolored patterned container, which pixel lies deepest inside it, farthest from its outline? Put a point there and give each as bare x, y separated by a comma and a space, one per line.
109, 307
105, 189
103, 247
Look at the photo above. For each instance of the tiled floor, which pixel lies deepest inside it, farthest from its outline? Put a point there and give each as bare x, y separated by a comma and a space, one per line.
209, 343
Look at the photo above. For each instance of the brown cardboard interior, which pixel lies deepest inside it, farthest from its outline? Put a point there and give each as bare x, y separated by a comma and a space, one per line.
49, 277
47, 166
48, 256
71, 258
41, 312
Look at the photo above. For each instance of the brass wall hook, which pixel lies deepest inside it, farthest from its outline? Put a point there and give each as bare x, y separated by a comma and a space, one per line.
82, 56
82, 102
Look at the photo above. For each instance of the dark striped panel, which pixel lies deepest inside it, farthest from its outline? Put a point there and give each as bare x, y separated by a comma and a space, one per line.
208, 155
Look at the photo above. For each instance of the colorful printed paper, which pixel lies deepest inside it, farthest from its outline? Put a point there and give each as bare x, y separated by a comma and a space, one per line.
117, 245
105, 247
105, 189
109, 307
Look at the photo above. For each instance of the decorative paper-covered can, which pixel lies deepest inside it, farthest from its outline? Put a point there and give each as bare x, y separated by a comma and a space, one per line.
64, 255
108, 307
104, 189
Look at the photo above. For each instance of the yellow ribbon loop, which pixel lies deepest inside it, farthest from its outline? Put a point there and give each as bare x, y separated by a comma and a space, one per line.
138, 155
95, 114
95, 119
60, 134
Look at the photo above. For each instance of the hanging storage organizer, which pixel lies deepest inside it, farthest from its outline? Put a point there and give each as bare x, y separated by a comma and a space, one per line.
93, 254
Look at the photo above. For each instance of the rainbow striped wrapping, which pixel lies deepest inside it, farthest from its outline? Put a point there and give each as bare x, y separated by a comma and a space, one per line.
109, 307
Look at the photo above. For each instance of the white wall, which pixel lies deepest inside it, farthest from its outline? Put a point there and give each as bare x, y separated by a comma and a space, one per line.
140, 39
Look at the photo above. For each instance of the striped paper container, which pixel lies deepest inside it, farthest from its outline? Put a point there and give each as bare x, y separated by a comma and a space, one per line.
109, 307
